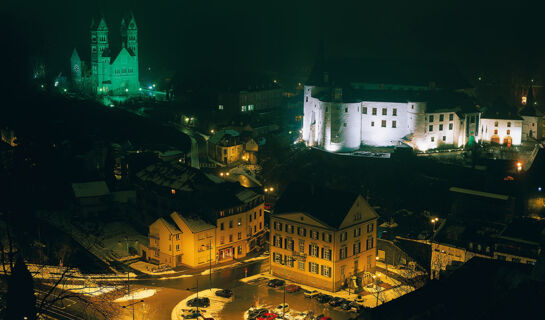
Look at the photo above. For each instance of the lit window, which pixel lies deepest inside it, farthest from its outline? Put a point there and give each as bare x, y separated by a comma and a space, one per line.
524, 99
250, 107
220, 107
508, 132
243, 108
496, 131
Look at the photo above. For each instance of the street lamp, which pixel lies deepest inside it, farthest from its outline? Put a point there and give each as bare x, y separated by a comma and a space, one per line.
132, 304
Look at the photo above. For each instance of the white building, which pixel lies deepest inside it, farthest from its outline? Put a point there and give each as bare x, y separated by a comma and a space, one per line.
427, 113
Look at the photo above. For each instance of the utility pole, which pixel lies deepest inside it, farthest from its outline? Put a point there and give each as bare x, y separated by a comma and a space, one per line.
210, 258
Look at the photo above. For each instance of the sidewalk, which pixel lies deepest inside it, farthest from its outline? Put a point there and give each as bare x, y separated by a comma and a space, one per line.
183, 272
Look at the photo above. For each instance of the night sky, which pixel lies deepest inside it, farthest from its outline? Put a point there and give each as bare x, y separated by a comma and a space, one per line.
280, 36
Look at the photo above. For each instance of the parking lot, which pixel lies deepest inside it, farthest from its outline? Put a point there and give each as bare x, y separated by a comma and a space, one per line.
256, 292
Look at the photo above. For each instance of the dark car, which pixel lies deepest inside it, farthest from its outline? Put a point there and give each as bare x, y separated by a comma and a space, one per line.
225, 293
346, 305
254, 314
323, 298
335, 302
292, 288
276, 283
199, 302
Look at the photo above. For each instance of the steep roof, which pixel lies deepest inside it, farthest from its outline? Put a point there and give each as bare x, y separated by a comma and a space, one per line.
326, 205
194, 223
382, 71
90, 189
218, 136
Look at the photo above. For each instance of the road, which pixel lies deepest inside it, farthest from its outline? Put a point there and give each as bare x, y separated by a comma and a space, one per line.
246, 295
199, 145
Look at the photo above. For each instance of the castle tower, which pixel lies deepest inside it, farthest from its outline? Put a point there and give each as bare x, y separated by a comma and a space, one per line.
99, 44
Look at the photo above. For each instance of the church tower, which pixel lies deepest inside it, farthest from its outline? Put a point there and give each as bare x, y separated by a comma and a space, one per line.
129, 34
99, 44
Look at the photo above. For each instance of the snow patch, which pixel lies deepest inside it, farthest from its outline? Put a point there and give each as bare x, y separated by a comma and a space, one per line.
140, 294
216, 304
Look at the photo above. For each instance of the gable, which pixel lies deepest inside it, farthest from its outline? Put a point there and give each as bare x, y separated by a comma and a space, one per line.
123, 58
359, 212
300, 217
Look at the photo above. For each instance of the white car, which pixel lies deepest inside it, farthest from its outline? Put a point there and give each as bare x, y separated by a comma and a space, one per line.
284, 306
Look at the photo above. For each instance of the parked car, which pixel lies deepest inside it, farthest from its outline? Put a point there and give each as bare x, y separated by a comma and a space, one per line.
276, 283
310, 294
346, 306
359, 299
199, 302
268, 316
335, 302
292, 288
283, 308
255, 313
323, 298
225, 293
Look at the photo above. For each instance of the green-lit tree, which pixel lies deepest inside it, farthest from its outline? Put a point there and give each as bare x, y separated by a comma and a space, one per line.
21, 302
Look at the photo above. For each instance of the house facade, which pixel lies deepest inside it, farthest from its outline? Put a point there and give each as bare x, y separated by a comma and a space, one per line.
322, 244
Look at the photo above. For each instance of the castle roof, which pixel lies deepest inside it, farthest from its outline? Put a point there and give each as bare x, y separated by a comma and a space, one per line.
437, 100
394, 72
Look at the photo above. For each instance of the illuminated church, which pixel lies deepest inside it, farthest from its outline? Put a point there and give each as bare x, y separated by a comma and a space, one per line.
348, 104
109, 71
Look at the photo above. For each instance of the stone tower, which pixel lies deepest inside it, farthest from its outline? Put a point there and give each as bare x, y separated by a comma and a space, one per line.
75, 68
99, 45
129, 34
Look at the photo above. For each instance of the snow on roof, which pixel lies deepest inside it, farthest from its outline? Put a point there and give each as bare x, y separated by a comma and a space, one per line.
90, 189
479, 193
247, 196
195, 224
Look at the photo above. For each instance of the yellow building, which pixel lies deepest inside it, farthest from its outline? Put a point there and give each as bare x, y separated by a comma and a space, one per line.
321, 237
165, 243
189, 240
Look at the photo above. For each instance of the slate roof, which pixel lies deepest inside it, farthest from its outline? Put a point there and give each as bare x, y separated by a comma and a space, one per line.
528, 110
480, 289
90, 189
435, 99
200, 192
218, 136
195, 224
326, 205
382, 71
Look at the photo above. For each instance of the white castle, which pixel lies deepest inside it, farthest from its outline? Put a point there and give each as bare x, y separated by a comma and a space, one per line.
347, 105
109, 71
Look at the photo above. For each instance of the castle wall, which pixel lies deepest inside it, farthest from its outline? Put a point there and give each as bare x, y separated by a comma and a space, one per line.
501, 130
384, 123
343, 126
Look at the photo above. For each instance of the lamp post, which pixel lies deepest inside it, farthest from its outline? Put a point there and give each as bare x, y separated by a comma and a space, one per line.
376, 288
434, 222
132, 304
210, 258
